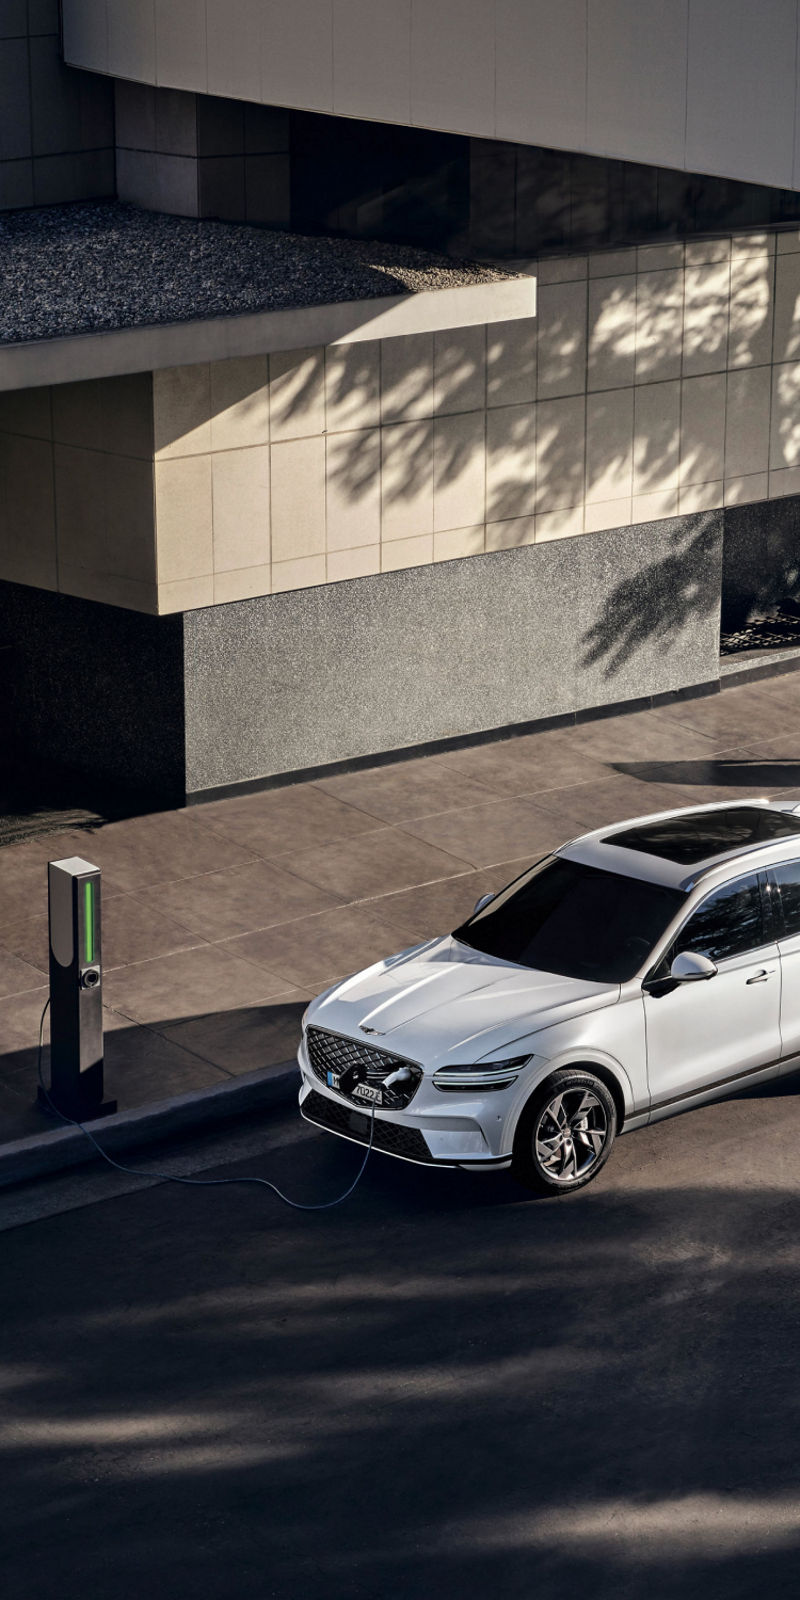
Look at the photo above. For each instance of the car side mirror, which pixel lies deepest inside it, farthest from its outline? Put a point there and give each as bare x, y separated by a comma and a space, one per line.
690, 967
479, 904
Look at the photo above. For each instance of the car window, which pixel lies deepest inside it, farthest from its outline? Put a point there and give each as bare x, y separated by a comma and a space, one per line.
578, 921
728, 923
787, 877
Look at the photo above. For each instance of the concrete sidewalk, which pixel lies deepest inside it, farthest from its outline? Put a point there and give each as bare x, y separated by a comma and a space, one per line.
220, 922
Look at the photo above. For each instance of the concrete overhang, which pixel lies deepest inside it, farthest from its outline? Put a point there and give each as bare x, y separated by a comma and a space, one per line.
117, 351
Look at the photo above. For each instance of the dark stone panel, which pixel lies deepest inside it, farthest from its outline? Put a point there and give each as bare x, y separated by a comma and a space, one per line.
760, 560
299, 680
93, 689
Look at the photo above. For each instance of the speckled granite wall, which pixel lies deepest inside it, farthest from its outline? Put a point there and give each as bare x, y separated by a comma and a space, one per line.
335, 672
95, 689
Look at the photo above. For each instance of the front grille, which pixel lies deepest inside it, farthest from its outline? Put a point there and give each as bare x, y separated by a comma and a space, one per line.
355, 1063
388, 1136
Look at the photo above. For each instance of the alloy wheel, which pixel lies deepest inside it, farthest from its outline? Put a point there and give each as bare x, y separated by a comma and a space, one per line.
570, 1135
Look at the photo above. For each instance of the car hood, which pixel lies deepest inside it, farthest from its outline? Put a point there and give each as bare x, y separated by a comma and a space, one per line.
444, 1001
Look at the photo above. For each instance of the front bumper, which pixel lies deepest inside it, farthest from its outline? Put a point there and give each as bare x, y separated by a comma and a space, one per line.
443, 1130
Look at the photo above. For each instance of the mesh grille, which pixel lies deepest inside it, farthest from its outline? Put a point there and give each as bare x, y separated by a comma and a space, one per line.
388, 1136
358, 1063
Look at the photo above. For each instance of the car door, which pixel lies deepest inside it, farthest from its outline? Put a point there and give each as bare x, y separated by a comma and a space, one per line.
702, 1034
784, 882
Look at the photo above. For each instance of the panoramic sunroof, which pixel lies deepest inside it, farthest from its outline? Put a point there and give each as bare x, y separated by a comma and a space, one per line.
699, 835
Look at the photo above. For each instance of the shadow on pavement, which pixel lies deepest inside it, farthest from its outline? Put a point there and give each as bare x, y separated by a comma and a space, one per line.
443, 1388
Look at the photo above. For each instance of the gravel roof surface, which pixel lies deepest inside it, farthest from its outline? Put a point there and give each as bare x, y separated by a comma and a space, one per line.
98, 265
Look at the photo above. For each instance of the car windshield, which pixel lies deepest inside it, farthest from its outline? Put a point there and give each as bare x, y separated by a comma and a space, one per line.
574, 920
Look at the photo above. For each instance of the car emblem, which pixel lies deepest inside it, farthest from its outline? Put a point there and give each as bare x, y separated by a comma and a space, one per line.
364, 1029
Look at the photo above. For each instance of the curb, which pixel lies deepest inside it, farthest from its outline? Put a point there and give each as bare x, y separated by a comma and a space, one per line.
42, 1153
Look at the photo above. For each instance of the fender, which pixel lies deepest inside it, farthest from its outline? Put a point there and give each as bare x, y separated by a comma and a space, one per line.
577, 1056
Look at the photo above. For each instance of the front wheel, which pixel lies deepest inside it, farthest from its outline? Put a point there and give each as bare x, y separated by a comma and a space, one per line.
565, 1133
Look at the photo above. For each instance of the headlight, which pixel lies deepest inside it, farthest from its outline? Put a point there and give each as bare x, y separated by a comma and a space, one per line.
481, 1074
304, 1018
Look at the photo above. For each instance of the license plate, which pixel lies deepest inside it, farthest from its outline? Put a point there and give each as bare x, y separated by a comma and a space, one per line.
365, 1091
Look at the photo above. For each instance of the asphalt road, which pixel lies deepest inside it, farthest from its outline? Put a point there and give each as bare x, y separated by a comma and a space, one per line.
443, 1388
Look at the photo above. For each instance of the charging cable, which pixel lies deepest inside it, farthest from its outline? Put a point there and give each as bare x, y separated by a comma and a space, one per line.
199, 1183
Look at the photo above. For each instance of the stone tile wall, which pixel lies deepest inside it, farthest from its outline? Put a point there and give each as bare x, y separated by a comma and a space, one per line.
56, 123
655, 383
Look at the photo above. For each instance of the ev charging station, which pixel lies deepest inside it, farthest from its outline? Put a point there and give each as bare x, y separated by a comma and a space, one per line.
76, 998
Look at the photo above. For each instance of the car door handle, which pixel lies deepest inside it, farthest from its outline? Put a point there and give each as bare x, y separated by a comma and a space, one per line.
761, 977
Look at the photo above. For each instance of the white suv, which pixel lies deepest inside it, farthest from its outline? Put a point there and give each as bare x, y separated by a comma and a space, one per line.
640, 970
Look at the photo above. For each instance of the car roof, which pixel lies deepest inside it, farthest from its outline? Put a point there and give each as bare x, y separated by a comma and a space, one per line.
623, 846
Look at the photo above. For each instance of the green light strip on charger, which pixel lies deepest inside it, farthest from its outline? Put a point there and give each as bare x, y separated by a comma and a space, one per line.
88, 919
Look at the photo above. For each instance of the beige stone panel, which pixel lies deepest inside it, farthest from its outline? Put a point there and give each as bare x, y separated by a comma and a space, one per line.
243, 585
105, 513
784, 481
406, 479
345, 564
612, 263
459, 370
789, 242
458, 542
609, 445
27, 502
656, 437
110, 414
109, 588
298, 499
182, 410
513, 533
559, 524
184, 519
650, 507
784, 442
407, 377
702, 429
702, 252
353, 489
607, 514
706, 305
185, 594
752, 244
239, 403
659, 325
750, 331
78, 414
459, 470
742, 491
560, 452
562, 269
127, 404
562, 340
26, 411
20, 565
241, 508
353, 386
306, 572
510, 462
612, 332
130, 541
786, 335
700, 497
297, 393
416, 552
747, 421
511, 362
658, 257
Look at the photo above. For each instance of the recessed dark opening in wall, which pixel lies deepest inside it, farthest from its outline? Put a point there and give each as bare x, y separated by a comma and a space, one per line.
760, 609
484, 197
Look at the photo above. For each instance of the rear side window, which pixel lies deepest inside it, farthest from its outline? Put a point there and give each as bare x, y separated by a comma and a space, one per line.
787, 877
728, 923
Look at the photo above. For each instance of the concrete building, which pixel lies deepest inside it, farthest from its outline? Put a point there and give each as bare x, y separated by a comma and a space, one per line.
377, 374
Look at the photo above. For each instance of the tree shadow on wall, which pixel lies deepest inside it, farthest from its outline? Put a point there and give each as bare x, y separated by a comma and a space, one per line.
660, 601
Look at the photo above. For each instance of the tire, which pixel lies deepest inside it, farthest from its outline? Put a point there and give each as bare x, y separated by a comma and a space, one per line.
551, 1160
